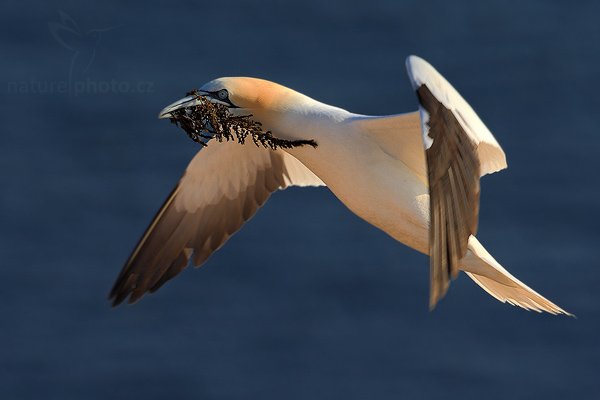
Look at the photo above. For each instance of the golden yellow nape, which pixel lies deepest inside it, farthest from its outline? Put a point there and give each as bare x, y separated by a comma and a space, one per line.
254, 93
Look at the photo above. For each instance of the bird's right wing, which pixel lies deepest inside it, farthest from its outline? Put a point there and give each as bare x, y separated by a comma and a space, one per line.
222, 188
459, 149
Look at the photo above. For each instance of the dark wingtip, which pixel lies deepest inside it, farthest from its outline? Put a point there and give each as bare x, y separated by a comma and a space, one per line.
116, 298
120, 291
114, 303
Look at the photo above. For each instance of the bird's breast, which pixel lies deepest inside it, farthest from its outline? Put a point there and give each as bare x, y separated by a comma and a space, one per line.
371, 183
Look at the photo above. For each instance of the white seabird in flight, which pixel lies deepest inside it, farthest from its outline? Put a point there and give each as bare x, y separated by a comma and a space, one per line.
415, 176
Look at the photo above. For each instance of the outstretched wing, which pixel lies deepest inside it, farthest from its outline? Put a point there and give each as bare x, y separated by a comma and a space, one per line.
459, 149
222, 188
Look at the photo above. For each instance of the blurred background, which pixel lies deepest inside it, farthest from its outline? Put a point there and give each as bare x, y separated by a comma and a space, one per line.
332, 307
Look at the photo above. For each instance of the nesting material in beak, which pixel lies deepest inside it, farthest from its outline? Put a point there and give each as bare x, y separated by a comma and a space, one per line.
204, 120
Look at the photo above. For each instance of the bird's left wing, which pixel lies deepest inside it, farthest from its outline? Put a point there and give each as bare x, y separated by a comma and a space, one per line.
459, 149
222, 188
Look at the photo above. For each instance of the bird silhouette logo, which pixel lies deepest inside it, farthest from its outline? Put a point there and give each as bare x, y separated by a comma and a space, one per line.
82, 44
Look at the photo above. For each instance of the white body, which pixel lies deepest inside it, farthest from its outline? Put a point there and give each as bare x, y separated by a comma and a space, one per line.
376, 167
365, 176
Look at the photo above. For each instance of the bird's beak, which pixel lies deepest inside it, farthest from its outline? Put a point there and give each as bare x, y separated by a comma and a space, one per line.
188, 101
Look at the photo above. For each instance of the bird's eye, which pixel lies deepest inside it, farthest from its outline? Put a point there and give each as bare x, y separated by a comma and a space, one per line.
223, 94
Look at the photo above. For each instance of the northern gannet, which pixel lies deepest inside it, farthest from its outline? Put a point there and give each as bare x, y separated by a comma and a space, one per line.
414, 175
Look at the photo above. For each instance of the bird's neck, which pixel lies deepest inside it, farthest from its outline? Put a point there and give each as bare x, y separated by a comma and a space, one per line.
308, 119
300, 117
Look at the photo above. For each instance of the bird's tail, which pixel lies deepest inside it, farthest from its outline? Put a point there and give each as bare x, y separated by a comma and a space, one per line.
494, 279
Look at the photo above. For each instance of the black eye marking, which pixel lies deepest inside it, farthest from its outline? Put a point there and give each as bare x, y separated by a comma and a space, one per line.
223, 94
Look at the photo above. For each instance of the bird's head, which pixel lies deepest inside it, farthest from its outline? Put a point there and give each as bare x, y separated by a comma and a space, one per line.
226, 107
252, 95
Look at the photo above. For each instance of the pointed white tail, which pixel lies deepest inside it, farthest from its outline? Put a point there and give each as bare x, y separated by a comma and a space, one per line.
498, 282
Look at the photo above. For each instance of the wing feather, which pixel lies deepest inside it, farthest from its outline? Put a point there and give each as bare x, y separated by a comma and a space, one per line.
222, 188
459, 149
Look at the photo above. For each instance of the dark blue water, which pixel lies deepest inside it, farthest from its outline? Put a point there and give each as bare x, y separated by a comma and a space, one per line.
331, 308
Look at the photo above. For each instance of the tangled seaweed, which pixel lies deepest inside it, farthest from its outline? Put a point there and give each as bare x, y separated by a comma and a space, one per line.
207, 120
